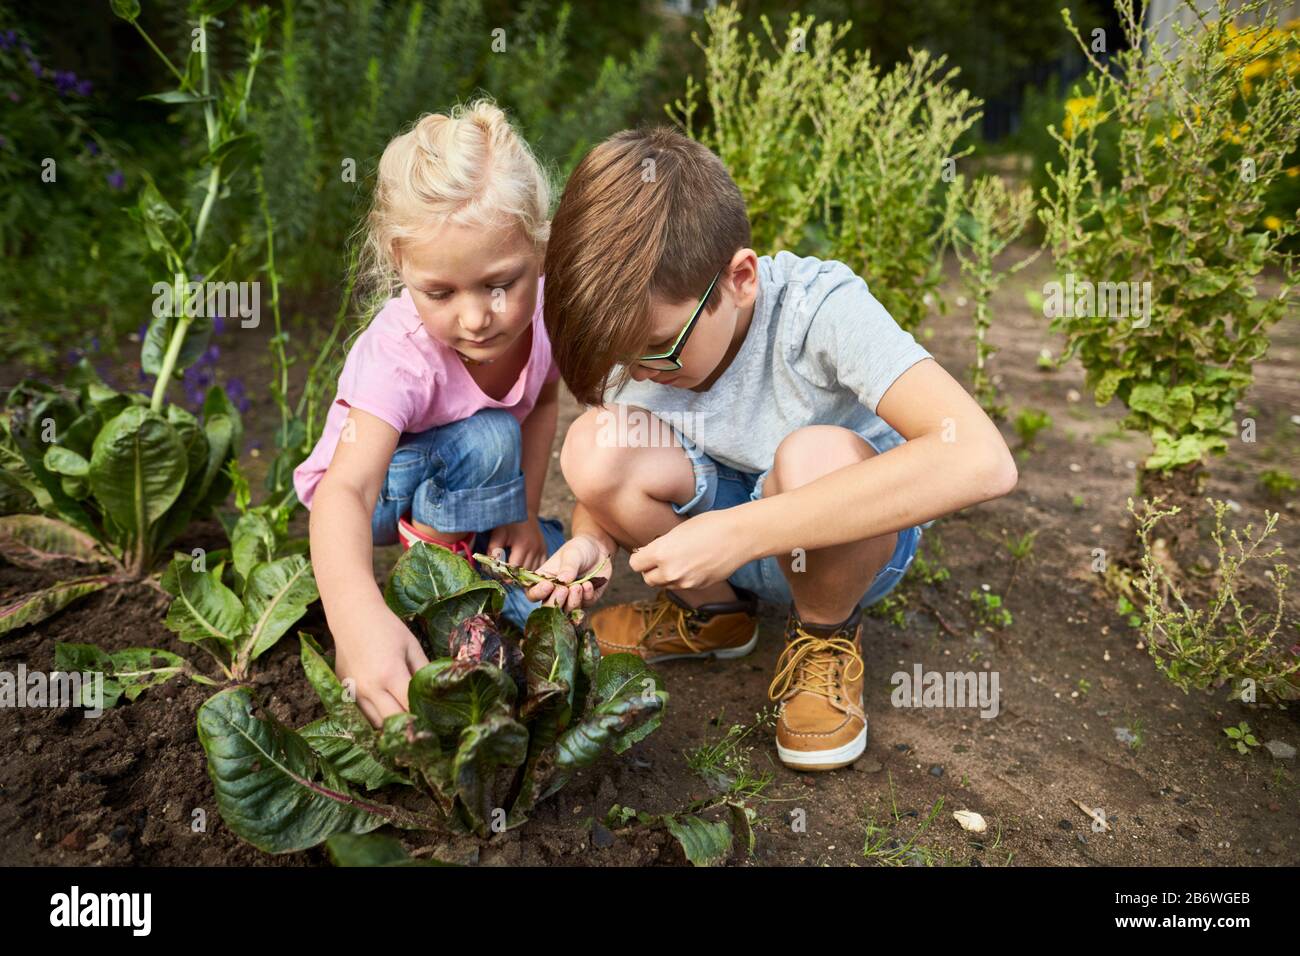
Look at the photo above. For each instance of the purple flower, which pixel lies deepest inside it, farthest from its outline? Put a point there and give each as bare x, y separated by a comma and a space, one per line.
65, 81
92, 147
36, 67
8, 39
116, 179
238, 395
84, 87
218, 325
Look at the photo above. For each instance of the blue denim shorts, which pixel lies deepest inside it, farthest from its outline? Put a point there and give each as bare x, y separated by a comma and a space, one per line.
463, 476
718, 486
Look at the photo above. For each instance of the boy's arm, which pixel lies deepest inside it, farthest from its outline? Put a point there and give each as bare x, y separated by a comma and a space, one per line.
538, 433
954, 457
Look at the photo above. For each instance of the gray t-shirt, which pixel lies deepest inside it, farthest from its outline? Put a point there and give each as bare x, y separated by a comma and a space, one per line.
820, 350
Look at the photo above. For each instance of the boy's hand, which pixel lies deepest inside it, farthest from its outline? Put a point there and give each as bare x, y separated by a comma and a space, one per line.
698, 552
574, 559
380, 664
523, 539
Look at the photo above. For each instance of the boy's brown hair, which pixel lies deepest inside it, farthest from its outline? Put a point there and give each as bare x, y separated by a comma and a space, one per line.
648, 212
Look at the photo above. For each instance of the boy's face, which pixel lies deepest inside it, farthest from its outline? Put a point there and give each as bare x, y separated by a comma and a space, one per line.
714, 331
474, 288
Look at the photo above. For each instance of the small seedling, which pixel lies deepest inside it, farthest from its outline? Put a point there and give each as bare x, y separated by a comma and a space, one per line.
1277, 483
1078, 502
1029, 423
1022, 547
989, 610
1084, 686
1241, 737
1126, 607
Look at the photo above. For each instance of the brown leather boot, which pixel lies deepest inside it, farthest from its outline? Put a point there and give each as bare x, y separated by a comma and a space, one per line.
666, 628
818, 681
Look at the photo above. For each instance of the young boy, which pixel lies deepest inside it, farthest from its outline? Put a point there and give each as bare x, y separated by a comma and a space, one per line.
811, 437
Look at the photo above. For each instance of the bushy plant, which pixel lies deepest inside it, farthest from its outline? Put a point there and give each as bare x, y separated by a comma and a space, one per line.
985, 218
1197, 156
498, 721
1220, 639
833, 155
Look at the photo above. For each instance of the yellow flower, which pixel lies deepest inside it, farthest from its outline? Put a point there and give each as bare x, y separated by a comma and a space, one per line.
1274, 223
1292, 172
1080, 110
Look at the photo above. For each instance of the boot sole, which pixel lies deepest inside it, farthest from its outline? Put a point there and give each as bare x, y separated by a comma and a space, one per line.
832, 759
722, 654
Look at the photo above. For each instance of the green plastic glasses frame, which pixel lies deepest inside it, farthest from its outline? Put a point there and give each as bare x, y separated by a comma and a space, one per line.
670, 360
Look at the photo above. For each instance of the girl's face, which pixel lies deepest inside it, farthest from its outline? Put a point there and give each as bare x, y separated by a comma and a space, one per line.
474, 288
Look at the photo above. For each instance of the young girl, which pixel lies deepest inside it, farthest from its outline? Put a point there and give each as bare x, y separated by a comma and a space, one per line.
442, 426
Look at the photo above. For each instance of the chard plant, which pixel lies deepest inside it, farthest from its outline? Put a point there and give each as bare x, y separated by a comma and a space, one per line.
1202, 136
497, 723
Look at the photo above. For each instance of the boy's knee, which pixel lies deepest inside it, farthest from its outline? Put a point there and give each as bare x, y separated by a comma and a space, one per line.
809, 453
590, 466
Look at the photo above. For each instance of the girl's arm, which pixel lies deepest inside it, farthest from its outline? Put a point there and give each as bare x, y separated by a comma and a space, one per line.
954, 457
374, 648
538, 432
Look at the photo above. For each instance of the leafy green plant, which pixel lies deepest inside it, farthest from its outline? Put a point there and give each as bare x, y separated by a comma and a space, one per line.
496, 724
1128, 610
115, 482
726, 764
986, 217
830, 152
1029, 423
1181, 123
1242, 739
127, 673
1278, 483
704, 841
1021, 548
1224, 639
989, 610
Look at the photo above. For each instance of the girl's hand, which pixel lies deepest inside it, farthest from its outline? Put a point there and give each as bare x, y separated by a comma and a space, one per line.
523, 539
698, 552
380, 663
573, 560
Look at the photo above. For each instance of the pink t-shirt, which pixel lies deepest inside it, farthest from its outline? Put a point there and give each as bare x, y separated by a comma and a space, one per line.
397, 373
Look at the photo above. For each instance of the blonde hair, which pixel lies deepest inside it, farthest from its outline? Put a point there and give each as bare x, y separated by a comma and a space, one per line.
469, 167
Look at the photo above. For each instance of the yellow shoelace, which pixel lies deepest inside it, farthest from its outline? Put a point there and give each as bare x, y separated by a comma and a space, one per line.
809, 663
658, 609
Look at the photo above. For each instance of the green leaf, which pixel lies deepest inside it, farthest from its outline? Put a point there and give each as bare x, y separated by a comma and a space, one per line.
427, 574
407, 741
204, 608
137, 470
128, 672
623, 676
265, 778
372, 849
38, 605
345, 719
550, 658
486, 748
275, 597
178, 97
159, 335
337, 747
65, 461
705, 843
126, 9
252, 542
449, 697
35, 541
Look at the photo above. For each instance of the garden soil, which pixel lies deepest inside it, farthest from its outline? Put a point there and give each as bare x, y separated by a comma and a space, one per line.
1086, 721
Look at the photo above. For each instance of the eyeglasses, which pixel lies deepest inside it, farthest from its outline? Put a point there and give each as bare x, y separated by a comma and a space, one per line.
670, 361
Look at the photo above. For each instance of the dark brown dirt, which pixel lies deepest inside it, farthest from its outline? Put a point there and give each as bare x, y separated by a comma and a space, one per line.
1074, 679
